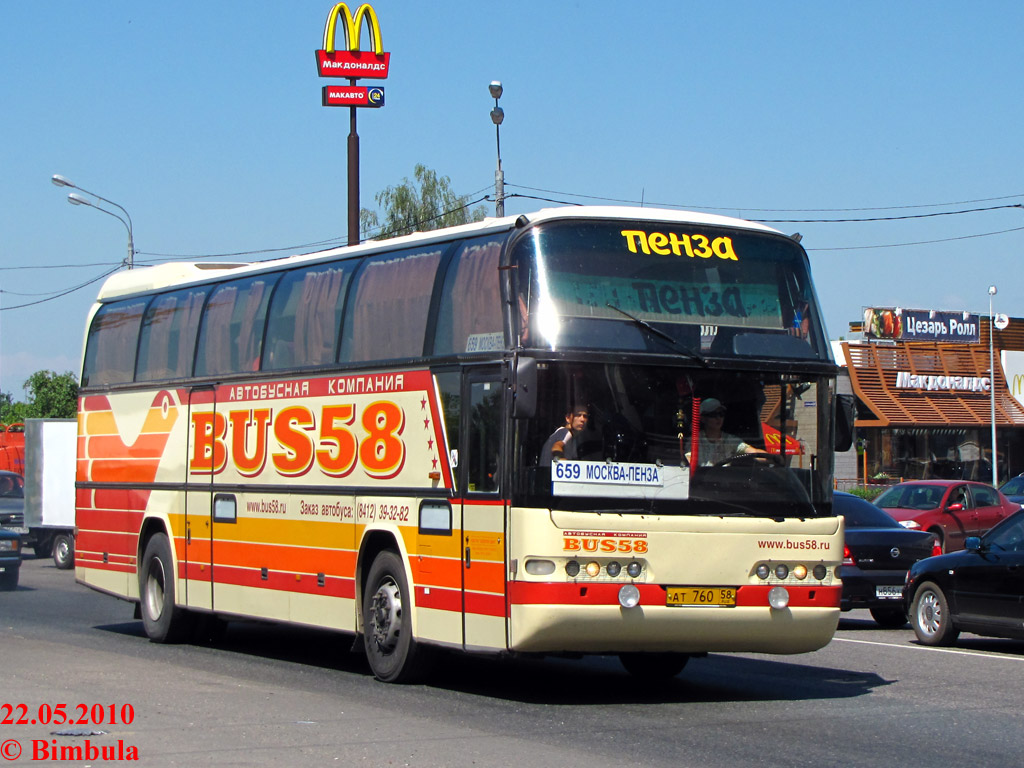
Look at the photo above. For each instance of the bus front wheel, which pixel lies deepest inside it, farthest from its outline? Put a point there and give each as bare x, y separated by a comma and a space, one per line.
163, 621
387, 621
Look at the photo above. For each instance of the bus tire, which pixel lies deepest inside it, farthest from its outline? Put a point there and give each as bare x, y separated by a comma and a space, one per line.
163, 621
654, 666
64, 551
387, 621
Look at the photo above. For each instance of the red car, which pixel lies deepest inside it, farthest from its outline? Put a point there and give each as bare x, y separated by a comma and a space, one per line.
950, 509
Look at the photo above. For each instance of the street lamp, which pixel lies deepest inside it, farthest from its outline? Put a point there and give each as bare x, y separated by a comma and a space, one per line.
497, 115
992, 378
74, 199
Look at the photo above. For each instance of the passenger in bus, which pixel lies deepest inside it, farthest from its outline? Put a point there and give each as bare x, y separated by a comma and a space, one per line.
716, 444
564, 441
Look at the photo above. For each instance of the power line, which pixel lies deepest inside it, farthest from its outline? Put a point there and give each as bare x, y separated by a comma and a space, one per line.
55, 266
62, 293
919, 242
761, 210
887, 218
333, 241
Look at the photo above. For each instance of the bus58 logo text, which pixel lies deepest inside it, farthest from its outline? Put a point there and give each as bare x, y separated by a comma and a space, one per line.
335, 440
606, 543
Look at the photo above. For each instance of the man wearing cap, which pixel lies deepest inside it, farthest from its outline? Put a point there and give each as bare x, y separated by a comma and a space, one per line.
715, 444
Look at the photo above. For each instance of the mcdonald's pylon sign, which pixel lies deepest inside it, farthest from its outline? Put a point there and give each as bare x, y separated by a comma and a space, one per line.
352, 62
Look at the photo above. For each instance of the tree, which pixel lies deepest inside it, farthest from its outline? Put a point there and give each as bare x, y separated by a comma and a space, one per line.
50, 396
417, 206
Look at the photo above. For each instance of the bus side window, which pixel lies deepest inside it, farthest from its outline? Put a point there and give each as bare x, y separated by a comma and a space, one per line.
388, 306
305, 317
231, 335
469, 318
110, 348
449, 384
168, 340
484, 438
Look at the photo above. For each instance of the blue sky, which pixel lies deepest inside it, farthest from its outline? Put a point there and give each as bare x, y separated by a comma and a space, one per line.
203, 119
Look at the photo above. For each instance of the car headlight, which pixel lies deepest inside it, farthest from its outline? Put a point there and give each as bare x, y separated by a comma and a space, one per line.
8, 545
911, 524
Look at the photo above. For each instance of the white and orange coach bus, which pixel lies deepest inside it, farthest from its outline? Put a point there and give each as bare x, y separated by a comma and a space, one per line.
358, 440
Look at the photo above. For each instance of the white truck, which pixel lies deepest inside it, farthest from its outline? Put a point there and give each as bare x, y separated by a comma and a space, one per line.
50, 455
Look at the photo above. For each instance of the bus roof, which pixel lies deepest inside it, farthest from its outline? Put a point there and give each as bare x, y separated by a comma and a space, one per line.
173, 274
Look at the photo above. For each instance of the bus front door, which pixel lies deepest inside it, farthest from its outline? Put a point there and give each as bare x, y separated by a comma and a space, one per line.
199, 471
483, 512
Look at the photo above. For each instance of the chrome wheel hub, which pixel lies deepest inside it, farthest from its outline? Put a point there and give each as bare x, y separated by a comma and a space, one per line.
386, 611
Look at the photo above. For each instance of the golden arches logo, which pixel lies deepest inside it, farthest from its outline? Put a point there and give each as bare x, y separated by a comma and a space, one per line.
1017, 386
353, 27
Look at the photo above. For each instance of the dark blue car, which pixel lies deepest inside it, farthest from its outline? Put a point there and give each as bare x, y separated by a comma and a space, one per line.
10, 558
979, 589
1013, 489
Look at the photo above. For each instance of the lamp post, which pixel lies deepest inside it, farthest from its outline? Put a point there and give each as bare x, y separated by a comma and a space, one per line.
497, 115
992, 379
74, 199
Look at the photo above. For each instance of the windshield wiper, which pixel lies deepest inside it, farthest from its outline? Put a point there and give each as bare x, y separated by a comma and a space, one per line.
686, 351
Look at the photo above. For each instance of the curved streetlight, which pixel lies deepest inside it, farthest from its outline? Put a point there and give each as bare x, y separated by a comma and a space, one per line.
74, 199
497, 115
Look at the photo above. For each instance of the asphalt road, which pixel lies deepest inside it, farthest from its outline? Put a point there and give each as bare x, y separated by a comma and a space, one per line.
271, 696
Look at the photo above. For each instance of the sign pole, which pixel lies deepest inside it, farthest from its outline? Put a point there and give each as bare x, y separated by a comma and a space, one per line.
353, 64
353, 177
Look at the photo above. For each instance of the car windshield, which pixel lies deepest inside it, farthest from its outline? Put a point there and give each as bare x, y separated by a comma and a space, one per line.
1008, 535
1014, 487
911, 497
12, 487
860, 513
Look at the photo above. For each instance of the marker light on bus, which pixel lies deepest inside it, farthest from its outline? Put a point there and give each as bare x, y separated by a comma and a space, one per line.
763, 571
782, 570
540, 567
629, 596
613, 568
778, 598
800, 572
634, 569
572, 569
820, 572
593, 569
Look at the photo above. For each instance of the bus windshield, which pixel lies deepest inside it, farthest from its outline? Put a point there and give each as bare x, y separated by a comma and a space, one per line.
646, 286
622, 437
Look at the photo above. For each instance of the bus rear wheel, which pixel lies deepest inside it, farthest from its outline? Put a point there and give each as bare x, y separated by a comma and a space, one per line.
387, 621
163, 621
654, 666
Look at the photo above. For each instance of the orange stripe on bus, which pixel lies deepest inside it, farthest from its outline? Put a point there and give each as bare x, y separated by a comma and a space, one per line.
283, 557
124, 470
146, 446
486, 577
284, 582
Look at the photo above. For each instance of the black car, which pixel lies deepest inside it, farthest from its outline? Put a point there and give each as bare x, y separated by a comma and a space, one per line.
10, 558
979, 589
877, 553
